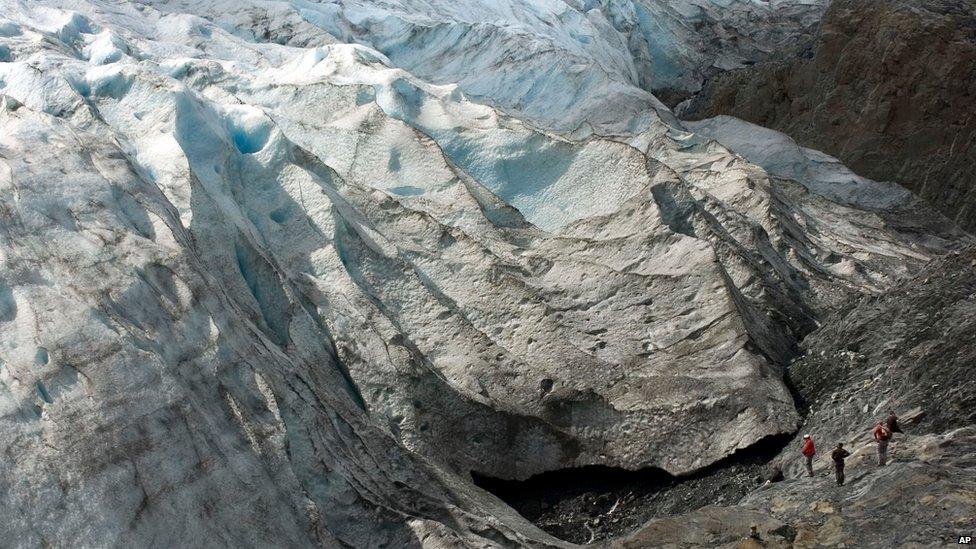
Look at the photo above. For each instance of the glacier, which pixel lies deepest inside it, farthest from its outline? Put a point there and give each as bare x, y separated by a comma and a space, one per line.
576, 66
284, 273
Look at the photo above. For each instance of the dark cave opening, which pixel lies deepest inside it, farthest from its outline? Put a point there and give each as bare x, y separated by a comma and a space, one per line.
596, 502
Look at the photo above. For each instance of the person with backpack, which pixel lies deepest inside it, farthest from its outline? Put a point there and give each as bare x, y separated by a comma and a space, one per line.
808, 451
892, 423
838, 456
882, 434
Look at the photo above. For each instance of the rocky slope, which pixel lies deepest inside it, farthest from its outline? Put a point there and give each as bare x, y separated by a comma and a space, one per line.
909, 350
259, 286
889, 91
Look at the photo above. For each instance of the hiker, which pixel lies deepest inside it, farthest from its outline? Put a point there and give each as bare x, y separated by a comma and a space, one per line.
882, 435
892, 423
838, 456
808, 451
775, 475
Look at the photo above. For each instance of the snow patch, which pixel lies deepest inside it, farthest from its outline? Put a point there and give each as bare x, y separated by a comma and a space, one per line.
106, 48
109, 81
68, 26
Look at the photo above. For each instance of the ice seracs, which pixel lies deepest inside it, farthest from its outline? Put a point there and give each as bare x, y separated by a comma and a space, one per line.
574, 66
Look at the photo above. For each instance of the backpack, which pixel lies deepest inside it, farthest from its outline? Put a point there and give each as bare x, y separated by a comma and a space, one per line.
885, 432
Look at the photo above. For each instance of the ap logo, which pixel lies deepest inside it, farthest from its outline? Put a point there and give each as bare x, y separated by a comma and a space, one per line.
965, 540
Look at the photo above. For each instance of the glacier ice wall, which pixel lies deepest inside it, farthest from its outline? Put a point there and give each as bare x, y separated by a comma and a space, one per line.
575, 66
292, 285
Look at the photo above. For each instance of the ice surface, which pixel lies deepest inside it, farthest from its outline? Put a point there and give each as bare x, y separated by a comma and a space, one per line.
290, 292
819, 172
572, 66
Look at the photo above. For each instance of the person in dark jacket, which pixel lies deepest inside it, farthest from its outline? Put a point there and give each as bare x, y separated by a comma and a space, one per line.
893, 427
892, 423
775, 475
838, 456
808, 451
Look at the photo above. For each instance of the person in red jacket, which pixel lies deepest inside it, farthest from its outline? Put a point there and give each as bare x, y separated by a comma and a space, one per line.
808, 451
882, 434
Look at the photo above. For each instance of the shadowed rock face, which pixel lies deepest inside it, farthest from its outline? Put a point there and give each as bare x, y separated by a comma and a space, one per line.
889, 90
